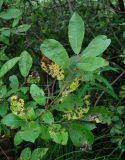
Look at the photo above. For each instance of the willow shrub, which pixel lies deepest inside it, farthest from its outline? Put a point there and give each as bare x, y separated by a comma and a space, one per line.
62, 112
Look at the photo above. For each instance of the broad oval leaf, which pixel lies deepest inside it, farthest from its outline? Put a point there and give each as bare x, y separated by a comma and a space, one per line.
80, 135
20, 29
76, 30
23, 28
25, 63
3, 91
14, 83
30, 132
25, 154
37, 94
47, 117
69, 103
10, 13
58, 134
3, 108
97, 46
56, 52
44, 132
17, 139
8, 66
12, 121
39, 153
3, 56
91, 63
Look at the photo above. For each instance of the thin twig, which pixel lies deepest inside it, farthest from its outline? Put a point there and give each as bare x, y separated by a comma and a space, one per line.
53, 86
4, 153
70, 7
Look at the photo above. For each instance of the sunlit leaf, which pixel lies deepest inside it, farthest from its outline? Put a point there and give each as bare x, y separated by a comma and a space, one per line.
37, 94
55, 51
76, 31
8, 66
25, 63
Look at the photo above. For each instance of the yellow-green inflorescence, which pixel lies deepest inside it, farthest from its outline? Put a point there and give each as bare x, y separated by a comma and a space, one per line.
78, 112
71, 88
56, 71
53, 70
17, 106
74, 85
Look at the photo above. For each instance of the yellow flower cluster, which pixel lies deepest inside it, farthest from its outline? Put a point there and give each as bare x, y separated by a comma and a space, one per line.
45, 67
95, 117
74, 85
86, 100
76, 114
17, 106
97, 120
71, 88
54, 70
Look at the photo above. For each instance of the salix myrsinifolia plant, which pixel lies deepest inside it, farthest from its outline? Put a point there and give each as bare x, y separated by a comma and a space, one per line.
33, 118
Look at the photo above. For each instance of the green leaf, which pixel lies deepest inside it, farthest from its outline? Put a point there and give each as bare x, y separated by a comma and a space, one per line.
24, 89
23, 28
17, 139
69, 103
1, 82
5, 32
30, 132
37, 94
8, 66
47, 117
15, 22
88, 125
25, 154
31, 104
10, 14
91, 63
56, 52
25, 63
3, 108
39, 153
58, 134
14, 83
12, 121
3, 56
76, 31
20, 29
4, 39
30, 114
44, 132
80, 134
97, 46
102, 79
106, 89
1, 3
3, 91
